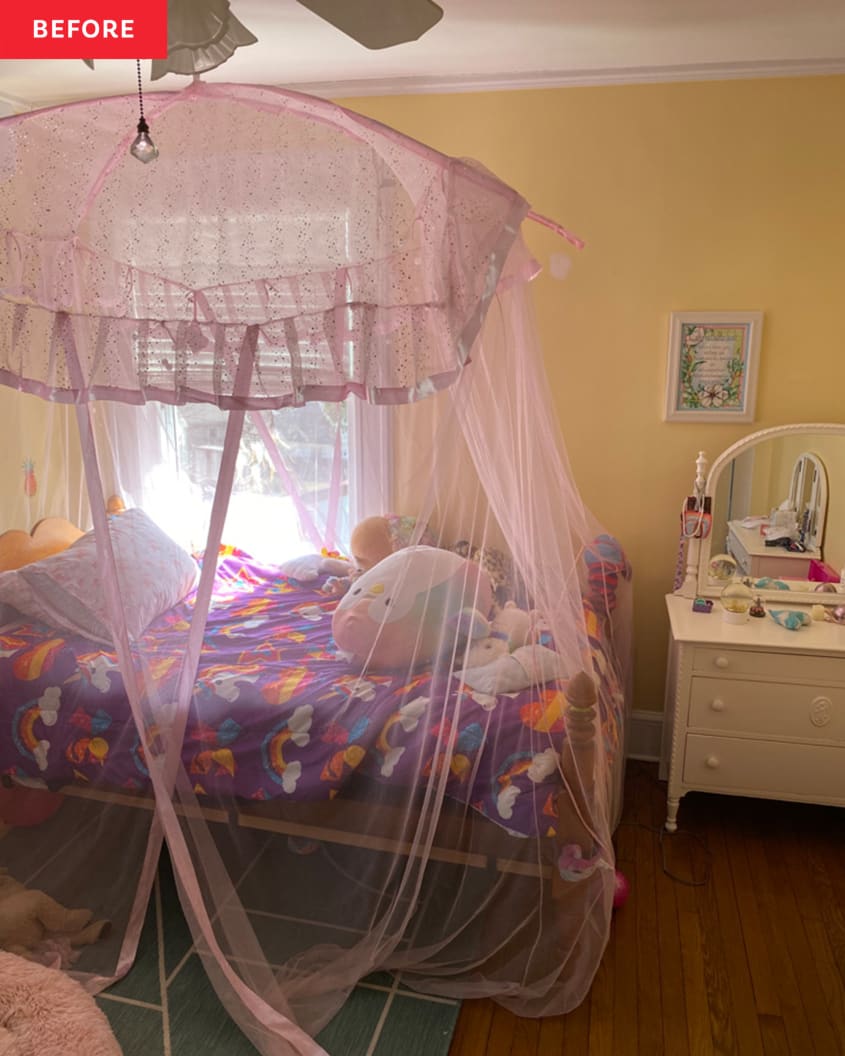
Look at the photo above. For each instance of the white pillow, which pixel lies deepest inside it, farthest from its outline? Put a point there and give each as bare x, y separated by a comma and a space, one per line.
64, 590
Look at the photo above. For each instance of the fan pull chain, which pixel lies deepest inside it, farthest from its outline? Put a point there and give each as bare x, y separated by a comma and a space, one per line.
142, 147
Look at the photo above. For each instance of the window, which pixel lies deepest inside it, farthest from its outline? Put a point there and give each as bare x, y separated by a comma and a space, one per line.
330, 468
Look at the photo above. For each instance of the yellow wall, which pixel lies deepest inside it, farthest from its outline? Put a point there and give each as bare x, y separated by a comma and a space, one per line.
715, 195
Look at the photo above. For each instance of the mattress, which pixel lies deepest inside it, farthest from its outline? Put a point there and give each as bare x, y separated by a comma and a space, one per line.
278, 712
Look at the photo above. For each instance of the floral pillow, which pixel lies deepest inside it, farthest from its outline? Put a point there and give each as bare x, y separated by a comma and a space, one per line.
65, 591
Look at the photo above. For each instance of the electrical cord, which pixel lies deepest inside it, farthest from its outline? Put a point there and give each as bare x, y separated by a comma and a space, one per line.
661, 834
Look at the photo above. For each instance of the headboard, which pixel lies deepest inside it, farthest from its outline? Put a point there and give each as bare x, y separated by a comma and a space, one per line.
49, 536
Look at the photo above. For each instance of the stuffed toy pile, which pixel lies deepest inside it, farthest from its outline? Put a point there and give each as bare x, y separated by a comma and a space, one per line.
34, 925
404, 605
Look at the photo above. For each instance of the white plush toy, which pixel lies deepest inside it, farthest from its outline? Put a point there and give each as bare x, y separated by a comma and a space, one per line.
529, 665
505, 658
308, 567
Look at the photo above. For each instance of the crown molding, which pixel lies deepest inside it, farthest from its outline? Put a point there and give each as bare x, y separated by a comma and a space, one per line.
503, 82
538, 79
10, 104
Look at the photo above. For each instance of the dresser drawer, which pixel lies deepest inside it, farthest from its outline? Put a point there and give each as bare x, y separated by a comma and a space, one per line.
766, 768
736, 663
803, 712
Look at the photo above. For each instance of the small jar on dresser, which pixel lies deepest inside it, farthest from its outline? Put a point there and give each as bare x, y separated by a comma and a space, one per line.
753, 709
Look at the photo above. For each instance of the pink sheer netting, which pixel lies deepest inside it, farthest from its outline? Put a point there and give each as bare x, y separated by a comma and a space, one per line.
365, 260
413, 768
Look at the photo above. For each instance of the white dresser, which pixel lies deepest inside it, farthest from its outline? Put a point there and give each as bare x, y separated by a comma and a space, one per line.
755, 559
753, 709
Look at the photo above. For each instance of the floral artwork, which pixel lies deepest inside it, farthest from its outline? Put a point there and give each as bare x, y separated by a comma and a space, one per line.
711, 366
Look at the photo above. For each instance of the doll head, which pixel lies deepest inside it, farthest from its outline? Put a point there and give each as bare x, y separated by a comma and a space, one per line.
370, 542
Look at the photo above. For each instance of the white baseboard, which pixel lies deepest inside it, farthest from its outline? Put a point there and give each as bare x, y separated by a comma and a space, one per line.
645, 732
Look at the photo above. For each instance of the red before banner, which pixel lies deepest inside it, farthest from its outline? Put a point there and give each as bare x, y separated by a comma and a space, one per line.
85, 29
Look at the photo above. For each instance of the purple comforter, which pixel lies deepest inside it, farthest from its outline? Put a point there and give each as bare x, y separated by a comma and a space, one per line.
276, 712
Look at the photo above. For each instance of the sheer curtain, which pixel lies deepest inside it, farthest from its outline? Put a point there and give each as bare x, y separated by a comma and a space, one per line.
350, 776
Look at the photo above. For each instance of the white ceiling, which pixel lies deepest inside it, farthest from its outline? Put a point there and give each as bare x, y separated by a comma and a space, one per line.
488, 44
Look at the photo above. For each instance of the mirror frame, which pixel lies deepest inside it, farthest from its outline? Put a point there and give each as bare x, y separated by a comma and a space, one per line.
702, 558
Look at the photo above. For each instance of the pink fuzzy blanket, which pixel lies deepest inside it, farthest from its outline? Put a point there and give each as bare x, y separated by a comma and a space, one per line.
46, 1013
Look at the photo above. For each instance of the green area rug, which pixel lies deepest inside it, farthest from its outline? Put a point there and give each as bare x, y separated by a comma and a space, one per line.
165, 1005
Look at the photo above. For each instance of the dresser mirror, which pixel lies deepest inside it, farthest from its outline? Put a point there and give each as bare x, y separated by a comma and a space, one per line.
771, 509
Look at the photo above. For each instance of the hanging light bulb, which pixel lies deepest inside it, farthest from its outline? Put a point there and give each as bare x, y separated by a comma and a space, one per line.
142, 147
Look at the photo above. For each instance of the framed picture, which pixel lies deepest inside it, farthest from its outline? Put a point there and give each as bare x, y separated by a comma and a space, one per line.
712, 369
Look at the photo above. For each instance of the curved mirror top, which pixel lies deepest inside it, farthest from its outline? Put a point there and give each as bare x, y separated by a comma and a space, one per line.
778, 511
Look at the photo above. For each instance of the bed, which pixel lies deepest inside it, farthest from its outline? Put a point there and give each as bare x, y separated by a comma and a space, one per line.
285, 740
279, 716
291, 252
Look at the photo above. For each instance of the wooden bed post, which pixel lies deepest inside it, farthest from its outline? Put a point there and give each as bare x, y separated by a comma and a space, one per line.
577, 760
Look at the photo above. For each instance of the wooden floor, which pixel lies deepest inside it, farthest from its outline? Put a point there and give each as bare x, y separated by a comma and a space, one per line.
752, 961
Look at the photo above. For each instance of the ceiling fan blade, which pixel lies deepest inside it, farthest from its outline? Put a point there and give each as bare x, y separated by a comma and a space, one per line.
378, 23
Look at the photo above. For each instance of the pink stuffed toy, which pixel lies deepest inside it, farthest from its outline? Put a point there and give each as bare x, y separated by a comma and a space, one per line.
395, 614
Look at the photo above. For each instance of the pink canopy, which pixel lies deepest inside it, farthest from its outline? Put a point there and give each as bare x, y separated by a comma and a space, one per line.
413, 767
328, 233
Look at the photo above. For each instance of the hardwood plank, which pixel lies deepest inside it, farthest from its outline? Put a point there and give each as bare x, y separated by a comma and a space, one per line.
821, 870
766, 999
553, 1031
766, 933
526, 1038
722, 1026
601, 1007
790, 923
687, 861
649, 996
472, 1029
623, 938
673, 1004
783, 972
501, 1035
773, 1033
830, 983
576, 1031
741, 990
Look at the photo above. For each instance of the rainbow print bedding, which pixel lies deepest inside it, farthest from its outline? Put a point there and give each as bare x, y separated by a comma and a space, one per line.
277, 712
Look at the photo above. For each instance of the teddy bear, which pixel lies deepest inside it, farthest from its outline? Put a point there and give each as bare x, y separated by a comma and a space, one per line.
30, 919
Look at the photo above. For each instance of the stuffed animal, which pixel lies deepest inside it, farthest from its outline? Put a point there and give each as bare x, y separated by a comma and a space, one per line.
515, 625
495, 563
529, 665
308, 567
395, 614
375, 538
508, 658
372, 540
29, 919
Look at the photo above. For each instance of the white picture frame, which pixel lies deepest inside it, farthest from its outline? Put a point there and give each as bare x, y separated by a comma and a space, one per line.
712, 366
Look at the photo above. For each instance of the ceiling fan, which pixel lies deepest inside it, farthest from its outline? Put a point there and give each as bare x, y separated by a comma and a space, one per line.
203, 34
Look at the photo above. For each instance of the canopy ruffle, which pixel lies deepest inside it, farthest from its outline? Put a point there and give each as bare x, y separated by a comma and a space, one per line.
326, 231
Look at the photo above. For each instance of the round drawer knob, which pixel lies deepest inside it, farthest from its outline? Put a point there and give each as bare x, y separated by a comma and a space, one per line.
712, 762
717, 704
722, 661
